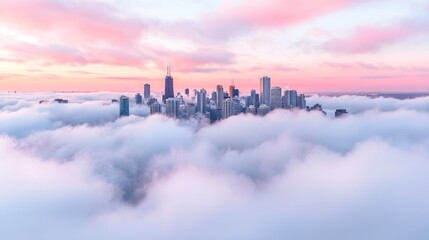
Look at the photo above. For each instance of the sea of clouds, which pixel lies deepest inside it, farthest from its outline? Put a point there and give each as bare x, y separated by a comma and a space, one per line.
77, 171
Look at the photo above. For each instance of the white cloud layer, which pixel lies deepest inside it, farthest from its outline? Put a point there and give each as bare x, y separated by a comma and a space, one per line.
75, 171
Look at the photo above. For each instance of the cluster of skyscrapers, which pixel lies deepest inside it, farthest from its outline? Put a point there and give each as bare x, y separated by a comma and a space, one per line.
220, 104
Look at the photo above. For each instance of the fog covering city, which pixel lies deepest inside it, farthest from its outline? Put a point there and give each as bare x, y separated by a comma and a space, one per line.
78, 171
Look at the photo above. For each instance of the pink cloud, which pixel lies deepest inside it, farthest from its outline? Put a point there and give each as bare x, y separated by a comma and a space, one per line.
355, 66
200, 60
69, 21
275, 13
233, 19
368, 39
58, 54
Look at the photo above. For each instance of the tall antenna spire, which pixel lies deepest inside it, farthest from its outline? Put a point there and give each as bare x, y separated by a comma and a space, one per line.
168, 70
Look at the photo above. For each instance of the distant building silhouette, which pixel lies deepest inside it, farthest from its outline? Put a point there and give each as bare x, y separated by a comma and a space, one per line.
60, 100
341, 113
124, 106
317, 107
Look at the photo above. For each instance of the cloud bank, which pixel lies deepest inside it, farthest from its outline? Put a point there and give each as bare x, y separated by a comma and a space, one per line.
290, 175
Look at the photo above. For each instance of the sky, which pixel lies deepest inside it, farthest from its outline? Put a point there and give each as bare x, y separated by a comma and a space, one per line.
308, 45
78, 171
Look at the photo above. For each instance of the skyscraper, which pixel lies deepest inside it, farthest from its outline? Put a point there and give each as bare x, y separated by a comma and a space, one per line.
220, 96
187, 92
169, 88
252, 96
300, 101
265, 84
201, 101
286, 99
235, 93
227, 109
124, 106
263, 110
236, 106
231, 89
155, 108
146, 93
276, 98
256, 102
191, 109
172, 108
139, 99
293, 99
214, 97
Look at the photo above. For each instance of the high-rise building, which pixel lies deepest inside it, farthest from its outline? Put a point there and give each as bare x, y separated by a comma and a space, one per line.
290, 99
248, 101
151, 100
155, 108
220, 96
252, 96
191, 109
214, 97
263, 110
231, 89
235, 92
201, 101
276, 98
124, 106
256, 102
285, 99
172, 108
301, 102
227, 109
215, 114
146, 93
236, 106
169, 87
265, 84
293, 99
139, 99
187, 92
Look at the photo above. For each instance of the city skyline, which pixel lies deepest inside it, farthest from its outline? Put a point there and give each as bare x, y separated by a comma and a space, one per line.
320, 46
214, 119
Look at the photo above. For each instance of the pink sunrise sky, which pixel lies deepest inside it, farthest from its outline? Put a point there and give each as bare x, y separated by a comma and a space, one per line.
308, 45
